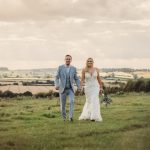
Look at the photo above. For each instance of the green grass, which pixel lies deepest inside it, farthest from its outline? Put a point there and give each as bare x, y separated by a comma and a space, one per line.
36, 124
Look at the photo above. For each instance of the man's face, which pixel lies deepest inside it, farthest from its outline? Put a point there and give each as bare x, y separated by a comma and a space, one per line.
68, 60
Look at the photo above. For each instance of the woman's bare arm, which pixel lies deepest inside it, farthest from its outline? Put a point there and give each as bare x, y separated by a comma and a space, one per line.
99, 79
82, 78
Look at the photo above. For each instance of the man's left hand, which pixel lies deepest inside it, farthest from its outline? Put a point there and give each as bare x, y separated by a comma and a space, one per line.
101, 91
79, 90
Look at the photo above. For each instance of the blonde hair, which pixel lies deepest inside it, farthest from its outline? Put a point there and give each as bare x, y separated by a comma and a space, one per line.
86, 67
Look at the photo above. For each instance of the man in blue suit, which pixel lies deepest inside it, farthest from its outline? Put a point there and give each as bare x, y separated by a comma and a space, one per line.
64, 82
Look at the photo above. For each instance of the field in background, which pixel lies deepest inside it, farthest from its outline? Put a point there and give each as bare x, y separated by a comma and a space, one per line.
13, 80
35, 124
22, 89
143, 74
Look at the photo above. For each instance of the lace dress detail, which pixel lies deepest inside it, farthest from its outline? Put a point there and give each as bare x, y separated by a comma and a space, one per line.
91, 109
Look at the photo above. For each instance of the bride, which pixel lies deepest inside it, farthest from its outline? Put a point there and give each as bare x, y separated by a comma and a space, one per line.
93, 86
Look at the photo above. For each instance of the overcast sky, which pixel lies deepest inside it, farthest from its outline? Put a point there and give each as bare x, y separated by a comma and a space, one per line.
38, 33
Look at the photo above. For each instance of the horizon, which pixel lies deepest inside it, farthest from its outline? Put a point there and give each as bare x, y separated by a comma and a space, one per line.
76, 67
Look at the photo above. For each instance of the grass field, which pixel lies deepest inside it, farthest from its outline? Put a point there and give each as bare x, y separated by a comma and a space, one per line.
31, 124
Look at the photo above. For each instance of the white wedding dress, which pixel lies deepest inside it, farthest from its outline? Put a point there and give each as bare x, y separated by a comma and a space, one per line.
91, 109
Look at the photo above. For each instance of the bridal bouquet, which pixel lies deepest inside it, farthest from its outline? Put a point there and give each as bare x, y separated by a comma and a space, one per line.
105, 98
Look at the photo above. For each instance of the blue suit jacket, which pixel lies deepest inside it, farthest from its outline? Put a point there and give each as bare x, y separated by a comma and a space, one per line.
60, 80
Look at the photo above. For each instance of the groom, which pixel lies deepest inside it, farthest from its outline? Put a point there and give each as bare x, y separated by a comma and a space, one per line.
64, 82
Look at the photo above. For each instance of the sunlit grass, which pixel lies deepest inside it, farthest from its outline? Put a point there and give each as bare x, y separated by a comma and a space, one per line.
36, 124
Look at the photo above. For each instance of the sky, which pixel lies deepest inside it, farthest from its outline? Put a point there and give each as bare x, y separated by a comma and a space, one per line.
39, 33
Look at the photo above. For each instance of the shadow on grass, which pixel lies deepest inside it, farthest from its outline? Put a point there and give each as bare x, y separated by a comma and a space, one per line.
125, 129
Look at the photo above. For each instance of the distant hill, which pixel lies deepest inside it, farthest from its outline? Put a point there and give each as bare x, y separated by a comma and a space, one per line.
4, 69
38, 70
122, 69
44, 69
128, 70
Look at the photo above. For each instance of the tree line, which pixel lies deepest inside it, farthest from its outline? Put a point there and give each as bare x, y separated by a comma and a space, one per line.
138, 85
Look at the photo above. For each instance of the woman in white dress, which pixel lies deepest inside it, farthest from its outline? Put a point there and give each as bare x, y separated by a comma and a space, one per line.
93, 87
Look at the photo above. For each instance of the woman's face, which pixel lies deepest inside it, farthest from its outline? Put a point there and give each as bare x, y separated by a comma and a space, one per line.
90, 62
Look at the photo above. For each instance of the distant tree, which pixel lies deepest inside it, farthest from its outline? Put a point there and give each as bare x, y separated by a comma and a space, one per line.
8, 94
129, 86
135, 76
15, 83
27, 93
147, 86
56, 94
1, 93
139, 85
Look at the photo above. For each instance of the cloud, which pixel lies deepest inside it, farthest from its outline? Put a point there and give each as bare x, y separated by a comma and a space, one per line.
56, 9
43, 31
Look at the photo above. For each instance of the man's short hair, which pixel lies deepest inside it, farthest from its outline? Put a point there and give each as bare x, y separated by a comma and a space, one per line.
68, 56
